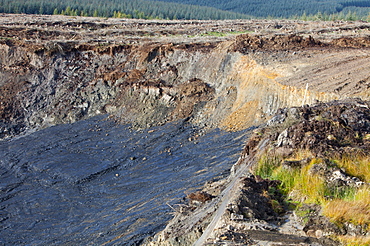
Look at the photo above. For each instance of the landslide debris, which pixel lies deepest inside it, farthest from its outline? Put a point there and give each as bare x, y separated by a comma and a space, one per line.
60, 69
331, 128
231, 74
262, 210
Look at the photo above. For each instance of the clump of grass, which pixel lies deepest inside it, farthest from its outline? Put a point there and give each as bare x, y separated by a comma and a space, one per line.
356, 165
308, 188
267, 164
343, 192
287, 178
214, 34
354, 209
354, 241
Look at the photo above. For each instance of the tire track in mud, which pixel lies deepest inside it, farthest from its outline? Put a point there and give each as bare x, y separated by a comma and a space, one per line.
344, 73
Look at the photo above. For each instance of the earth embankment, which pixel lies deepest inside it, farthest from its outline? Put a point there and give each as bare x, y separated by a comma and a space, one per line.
57, 69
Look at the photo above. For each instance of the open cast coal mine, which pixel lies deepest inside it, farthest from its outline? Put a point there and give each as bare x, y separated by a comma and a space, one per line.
151, 132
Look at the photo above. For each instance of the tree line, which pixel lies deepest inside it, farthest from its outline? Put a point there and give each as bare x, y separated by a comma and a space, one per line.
196, 9
141, 9
287, 8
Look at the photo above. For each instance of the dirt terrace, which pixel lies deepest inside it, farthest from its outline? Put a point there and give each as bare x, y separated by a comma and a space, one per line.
38, 28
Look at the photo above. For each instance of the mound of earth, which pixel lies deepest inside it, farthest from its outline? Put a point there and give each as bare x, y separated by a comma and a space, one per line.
325, 129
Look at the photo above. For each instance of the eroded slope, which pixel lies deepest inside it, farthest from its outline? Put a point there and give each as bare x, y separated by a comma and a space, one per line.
57, 69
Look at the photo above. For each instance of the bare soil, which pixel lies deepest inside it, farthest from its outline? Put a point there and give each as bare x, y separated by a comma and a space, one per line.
41, 29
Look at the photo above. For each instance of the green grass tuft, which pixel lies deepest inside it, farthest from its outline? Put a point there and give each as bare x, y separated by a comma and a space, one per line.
340, 204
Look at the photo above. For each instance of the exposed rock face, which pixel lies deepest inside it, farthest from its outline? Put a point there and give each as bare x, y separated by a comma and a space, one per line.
138, 84
49, 76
